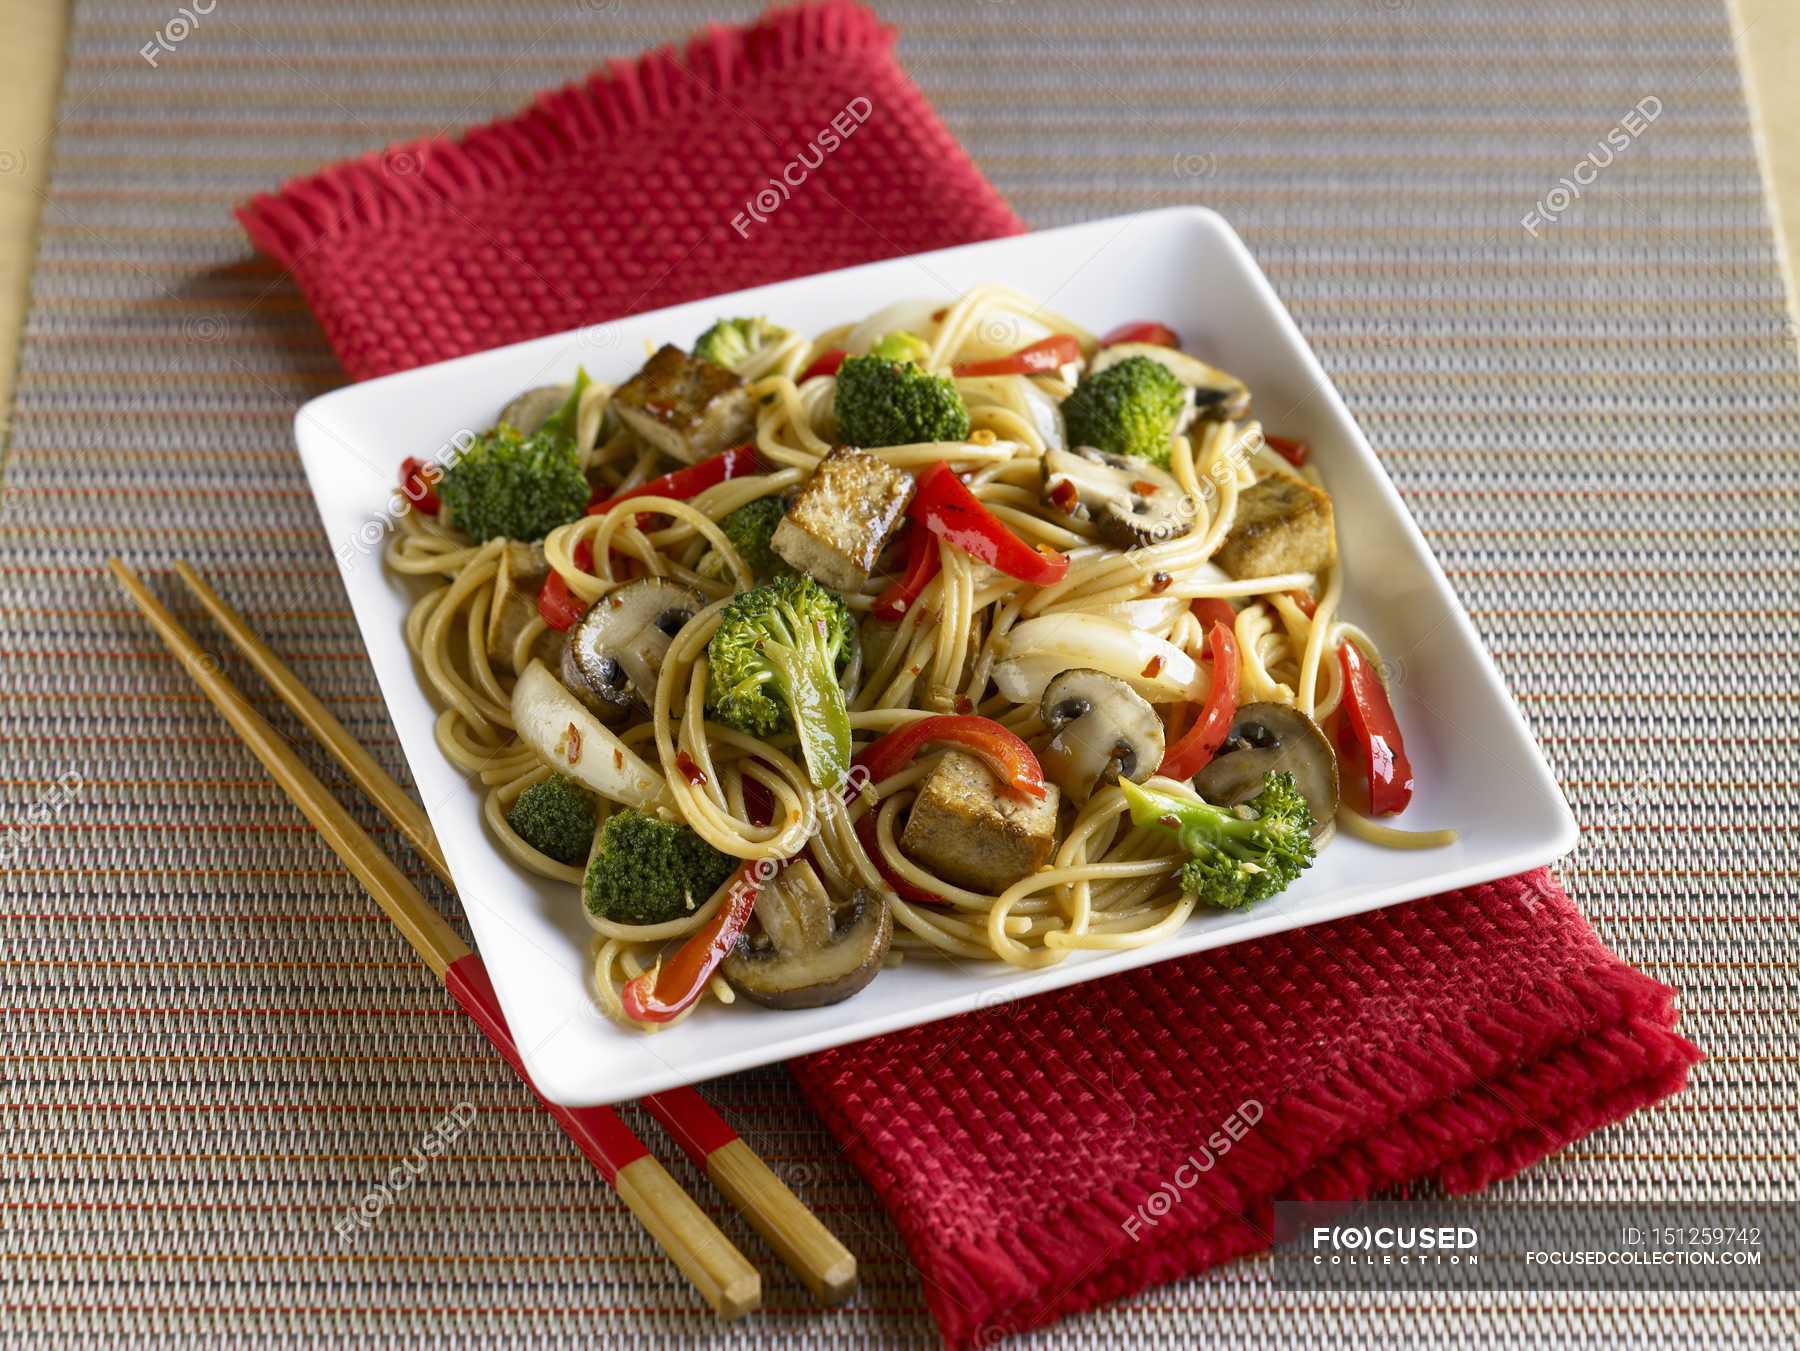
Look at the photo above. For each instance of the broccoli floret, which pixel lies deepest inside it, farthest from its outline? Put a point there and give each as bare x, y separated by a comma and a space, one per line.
773, 664
750, 528
902, 346
649, 871
895, 403
732, 342
519, 487
1237, 856
1129, 409
555, 817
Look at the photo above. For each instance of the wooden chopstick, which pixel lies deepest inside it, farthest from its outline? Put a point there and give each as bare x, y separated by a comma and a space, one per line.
798, 1236
811, 1251
718, 1270
393, 800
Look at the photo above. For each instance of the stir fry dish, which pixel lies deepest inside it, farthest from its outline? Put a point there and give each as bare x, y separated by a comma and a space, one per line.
957, 632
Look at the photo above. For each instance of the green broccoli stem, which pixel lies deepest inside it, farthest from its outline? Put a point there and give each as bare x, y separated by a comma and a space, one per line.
1195, 824
560, 425
805, 674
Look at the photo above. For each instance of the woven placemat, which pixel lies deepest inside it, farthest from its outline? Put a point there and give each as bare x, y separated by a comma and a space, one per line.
216, 1052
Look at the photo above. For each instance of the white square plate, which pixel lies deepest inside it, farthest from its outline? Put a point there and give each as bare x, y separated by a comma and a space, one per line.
1478, 768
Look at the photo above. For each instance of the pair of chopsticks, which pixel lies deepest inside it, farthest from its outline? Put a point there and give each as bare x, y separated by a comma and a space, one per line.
722, 1275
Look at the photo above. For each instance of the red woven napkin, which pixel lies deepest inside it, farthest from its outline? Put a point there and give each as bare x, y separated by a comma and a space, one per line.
795, 145
1045, 1156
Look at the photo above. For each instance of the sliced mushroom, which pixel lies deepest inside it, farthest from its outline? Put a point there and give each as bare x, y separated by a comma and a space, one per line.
808, 952
1218, 397
1104, 729
532, 409
1133, 502
612, 657
1270, 738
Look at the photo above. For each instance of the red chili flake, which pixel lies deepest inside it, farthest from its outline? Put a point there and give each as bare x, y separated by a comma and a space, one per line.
613, 600
1064, 498
618, 758
1169, 821
937, 316
1159, 582
569, 744
916, 670
689, 770
1304, 599
1143, 487
964, 704
1153, 667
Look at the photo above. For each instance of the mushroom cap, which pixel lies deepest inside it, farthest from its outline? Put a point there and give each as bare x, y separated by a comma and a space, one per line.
1270, 738
1132, 502
1104, 730
809, 952
532, 409
612, 656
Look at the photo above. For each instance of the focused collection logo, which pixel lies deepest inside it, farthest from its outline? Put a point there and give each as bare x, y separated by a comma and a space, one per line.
1390, 1245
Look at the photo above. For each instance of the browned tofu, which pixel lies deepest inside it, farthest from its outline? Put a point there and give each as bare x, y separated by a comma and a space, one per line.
964, 829
838, 524
1283, 525
686, 407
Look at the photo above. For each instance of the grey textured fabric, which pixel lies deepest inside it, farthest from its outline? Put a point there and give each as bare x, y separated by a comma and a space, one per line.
216, 1048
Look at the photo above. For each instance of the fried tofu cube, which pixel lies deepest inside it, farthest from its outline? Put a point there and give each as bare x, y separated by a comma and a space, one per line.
838, 524
967, 831
1283, 525
686, 407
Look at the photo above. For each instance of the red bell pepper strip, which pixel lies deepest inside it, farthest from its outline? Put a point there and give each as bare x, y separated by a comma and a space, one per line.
826, 363
1294, 452
1369, 735
1210, 610
1010, 759
1050, 354
685, 483
945, 506
1142, 330
922, 564
1188, 756
669, 987
561, 608
416, 483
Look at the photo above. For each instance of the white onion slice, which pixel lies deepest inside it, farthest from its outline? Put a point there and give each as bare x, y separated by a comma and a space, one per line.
1040, 649
1154, 613
569, 738
1046, 416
